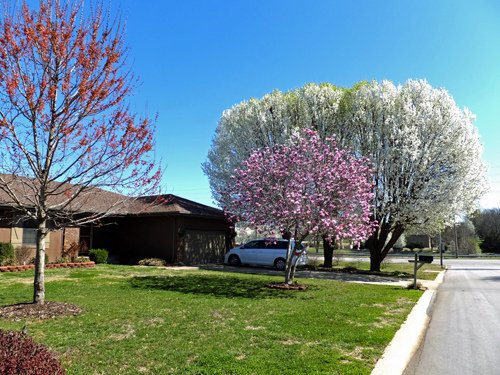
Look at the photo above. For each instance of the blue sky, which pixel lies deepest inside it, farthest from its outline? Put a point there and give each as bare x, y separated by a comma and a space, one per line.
197, 58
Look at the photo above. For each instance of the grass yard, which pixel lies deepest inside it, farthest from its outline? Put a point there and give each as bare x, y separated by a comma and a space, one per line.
160, 321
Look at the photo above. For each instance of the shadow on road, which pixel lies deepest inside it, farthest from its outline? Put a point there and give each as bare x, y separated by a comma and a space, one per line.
491, 278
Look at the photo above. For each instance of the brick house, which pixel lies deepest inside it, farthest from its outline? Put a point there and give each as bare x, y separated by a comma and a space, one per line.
167, 227
24, 234
178, 230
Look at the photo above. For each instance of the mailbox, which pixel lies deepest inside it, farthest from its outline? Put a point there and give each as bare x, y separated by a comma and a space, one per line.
425, 258
422, 259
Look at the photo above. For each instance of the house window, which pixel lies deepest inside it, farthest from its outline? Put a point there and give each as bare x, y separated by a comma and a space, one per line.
29, 237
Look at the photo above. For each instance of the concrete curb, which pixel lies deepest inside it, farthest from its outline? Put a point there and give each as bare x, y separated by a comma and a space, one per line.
407, 339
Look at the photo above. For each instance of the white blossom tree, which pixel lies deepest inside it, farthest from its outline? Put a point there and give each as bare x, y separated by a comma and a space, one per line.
426, 155
425, 150
266, 122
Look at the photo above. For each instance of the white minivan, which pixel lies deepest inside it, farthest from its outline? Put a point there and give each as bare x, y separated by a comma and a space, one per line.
265, 252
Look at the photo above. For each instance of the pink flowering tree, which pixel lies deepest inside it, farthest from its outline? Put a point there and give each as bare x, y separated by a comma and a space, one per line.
308, 186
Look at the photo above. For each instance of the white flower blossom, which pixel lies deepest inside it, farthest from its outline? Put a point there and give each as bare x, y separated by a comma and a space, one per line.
425, 150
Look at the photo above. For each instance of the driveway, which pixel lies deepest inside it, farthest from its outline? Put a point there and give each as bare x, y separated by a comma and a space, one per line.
463, 335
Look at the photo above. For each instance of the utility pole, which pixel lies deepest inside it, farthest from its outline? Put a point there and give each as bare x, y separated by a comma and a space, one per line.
456, 240
440, 251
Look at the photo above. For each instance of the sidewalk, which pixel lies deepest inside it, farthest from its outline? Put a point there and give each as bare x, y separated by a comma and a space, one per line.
399, 352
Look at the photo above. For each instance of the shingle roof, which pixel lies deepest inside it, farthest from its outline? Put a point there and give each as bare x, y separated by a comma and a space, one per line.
170, 203
59, 196
96, 200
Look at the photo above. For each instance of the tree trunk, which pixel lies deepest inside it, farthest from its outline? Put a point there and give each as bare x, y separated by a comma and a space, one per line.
292, 260
39, 284
288, 273
375, 260
288, 267
293, 246
327, 252
294, 268
379, 244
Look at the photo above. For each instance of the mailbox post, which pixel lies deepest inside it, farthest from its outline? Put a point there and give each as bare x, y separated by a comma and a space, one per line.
419, 261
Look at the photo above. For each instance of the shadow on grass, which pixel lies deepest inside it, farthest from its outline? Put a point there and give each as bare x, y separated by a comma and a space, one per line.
217, 286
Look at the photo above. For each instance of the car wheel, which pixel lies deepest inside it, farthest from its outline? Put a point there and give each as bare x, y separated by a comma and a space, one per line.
280, 264
234, 260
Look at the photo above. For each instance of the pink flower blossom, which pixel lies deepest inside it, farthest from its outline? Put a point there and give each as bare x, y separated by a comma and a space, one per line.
308, 186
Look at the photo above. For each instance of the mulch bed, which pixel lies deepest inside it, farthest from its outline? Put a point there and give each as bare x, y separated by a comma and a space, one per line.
31, 311
285, 286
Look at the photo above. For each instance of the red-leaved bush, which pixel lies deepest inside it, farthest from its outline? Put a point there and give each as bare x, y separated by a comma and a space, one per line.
20, 355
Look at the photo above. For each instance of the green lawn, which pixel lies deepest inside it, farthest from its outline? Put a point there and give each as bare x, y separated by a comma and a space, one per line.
160, 321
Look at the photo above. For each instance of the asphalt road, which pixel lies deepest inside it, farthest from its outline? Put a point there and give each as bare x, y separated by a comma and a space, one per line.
464, 332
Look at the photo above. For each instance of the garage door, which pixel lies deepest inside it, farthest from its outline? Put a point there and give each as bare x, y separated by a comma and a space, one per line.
202, 247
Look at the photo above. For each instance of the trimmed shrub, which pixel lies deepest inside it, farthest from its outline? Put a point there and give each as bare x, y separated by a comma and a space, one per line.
152, 262
7, 256
414, 245
19, 354
82, 259
98, 255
